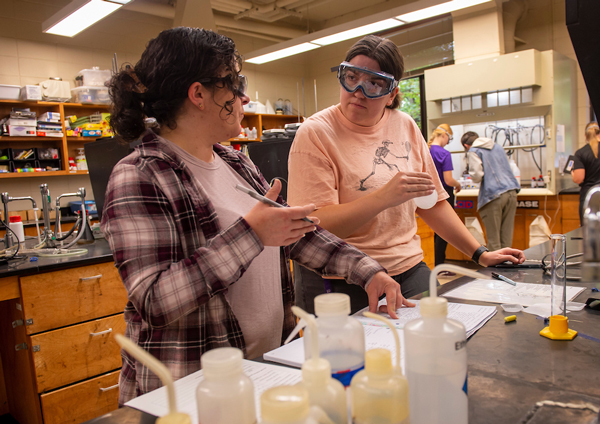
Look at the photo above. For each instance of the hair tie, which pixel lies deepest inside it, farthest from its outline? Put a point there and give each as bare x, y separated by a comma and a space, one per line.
138, 87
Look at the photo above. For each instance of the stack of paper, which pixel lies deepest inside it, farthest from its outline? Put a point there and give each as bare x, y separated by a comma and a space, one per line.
377, 335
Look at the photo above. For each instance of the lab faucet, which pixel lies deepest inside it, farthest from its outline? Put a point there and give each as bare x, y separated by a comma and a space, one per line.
591, 235
8, 242
50, 236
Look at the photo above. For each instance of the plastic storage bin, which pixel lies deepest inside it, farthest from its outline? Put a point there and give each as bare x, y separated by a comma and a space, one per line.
10, 92
90, 94
94, 77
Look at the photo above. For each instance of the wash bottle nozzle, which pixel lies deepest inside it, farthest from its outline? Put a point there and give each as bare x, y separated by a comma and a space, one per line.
325, 393
173, 417
438, 306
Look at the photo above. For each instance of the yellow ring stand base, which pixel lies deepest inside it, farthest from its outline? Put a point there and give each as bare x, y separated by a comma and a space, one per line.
558, 329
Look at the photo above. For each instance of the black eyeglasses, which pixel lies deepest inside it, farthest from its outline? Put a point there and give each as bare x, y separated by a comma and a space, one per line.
238, 84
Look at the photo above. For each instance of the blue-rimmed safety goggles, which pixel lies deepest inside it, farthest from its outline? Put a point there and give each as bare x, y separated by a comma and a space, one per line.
373, 84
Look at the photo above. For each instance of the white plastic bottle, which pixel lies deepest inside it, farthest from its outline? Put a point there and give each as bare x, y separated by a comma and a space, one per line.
16, 225
436, 360
254, 133
284, 405
341, 337
380, 392
226, 395
324, 391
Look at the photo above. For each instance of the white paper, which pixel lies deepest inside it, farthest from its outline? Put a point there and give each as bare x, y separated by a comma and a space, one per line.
264, 376
377, 334
473, 317
496, 291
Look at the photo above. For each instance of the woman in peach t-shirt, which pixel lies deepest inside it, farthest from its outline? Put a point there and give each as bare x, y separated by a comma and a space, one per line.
364, 164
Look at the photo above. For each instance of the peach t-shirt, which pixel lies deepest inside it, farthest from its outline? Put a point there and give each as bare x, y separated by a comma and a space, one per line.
333, 161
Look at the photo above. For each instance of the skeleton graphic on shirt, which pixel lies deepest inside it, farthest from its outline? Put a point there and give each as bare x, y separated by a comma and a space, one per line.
379, 159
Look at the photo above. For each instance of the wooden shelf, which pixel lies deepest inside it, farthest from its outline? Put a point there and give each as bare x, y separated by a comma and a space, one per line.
29, 138
66, 145
44, 174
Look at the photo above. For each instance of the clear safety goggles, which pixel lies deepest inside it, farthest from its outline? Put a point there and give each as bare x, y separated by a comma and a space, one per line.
373, 84
449, 135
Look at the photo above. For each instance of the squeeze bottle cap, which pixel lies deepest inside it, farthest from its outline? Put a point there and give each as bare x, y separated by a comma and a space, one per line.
284, 404
332, 304
433, 305
221, 362
315, 370
394, 333
15, 218
378, 361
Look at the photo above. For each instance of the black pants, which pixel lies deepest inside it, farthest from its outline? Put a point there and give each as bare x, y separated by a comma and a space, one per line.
309, 285
439, 243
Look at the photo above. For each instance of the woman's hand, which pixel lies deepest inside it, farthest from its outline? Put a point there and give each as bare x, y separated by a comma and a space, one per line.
280, 226
405, 186
457, 188
496, 257
383, 283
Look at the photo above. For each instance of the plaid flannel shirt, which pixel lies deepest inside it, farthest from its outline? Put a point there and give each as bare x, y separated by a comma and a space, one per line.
176, 261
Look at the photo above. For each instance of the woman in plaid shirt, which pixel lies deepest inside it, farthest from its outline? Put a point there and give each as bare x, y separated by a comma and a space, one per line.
204, 264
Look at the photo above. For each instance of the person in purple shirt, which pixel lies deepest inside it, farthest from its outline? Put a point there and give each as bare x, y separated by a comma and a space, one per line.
440, 138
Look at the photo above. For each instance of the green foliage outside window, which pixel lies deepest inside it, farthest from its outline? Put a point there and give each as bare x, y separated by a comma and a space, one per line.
410, 92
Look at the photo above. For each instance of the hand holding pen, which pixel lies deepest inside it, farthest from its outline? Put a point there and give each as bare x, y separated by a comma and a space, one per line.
278, 226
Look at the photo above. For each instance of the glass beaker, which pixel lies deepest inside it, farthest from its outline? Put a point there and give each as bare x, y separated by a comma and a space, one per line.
558, 269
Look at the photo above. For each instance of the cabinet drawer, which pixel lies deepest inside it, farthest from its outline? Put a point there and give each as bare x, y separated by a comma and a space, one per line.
83, 401
60, 298
75, 353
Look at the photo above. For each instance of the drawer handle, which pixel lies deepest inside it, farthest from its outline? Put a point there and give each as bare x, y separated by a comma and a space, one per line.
101, 332
103, 389
95, 277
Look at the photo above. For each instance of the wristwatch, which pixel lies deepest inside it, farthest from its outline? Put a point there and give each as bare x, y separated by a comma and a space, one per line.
480, 250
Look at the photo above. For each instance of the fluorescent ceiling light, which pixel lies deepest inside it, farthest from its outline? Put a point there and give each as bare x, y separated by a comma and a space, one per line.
80, 14
357, 32
290, 51
439, 9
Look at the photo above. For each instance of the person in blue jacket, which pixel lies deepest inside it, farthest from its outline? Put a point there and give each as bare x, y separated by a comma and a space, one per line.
497, 200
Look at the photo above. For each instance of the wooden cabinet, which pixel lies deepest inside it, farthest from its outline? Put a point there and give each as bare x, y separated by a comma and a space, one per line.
60, 360
427, 243
67, 146
560, 213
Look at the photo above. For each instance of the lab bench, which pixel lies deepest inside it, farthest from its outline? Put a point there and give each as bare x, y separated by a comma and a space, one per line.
57, 316
510, 366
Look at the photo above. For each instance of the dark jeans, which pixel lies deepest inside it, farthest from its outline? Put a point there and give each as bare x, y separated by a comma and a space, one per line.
439, 243
309, 285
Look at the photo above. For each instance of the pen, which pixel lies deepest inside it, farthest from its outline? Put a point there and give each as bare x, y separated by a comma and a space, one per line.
503, 278
264, 200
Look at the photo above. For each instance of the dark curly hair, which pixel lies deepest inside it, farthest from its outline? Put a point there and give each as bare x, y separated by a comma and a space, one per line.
157, 86
385, 53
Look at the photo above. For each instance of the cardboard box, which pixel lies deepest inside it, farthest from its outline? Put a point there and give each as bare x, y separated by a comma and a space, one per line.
21, 122
31, 92
21, 131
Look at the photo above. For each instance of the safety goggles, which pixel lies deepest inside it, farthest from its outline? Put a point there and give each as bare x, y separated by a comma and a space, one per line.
373, 84
237, 83
449, 135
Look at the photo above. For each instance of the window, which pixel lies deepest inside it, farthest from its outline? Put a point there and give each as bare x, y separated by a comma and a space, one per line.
412, 99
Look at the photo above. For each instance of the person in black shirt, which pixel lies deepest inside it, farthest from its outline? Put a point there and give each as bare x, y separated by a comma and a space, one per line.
586, 167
